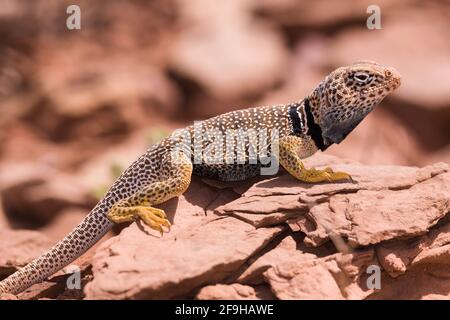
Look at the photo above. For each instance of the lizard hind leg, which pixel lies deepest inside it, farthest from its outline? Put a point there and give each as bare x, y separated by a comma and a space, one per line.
139, 205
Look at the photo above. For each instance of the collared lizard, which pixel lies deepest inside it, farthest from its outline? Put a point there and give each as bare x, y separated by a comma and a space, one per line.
326, 116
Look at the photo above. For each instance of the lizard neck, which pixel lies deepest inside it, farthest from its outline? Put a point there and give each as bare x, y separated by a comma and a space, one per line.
302, 122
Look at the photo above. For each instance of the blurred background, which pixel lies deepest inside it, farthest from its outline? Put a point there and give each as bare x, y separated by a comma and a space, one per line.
77, 106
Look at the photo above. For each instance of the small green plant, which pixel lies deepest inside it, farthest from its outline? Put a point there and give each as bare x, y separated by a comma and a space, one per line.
155, 135
115, 170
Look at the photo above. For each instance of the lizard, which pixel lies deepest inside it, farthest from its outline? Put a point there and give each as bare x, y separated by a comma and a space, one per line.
323, 118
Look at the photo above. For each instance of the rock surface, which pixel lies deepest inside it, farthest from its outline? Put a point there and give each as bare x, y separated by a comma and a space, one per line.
273, 238
391, 218
17, 248
198, 251
234, 291
335, 277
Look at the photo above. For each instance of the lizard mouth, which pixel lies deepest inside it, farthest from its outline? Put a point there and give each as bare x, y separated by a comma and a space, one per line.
391, 85
395, 79
396, 82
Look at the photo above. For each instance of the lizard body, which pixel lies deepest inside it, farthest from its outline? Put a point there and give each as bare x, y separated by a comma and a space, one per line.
326, 116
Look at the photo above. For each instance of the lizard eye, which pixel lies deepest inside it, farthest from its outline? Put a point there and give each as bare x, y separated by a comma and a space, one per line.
361, 77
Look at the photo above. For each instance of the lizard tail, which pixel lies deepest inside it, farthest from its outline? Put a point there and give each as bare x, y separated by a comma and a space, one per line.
83, 237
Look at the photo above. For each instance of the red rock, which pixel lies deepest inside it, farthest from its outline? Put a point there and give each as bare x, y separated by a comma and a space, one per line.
3, 220
420, 282
322, 14
180, 261
374, 214
384, 203
355, 43
228, 59
234, 291
176, 264
34, 193
398, 256
334, 277
7, 296
17, 248
288, 249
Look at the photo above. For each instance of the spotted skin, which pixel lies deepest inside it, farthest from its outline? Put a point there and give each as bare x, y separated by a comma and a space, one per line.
323, 118
174, 181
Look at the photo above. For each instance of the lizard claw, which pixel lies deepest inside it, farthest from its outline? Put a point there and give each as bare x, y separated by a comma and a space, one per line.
313, 175
337, 176
154, 218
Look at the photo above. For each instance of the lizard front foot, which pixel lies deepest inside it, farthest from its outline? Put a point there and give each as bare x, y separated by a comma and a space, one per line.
338, 176
313, 175
153, 217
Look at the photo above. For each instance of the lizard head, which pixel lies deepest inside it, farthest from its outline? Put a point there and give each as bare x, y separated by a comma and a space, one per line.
347, 95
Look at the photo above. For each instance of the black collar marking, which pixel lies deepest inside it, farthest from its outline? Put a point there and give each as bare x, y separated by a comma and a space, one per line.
296, 122
314, 130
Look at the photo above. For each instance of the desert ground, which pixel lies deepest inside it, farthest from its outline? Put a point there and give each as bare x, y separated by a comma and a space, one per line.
78, 106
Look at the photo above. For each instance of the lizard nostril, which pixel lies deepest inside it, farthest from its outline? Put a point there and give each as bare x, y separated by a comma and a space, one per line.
388, 73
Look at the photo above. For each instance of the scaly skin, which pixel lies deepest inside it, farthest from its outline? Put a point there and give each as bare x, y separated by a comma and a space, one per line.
326, 116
